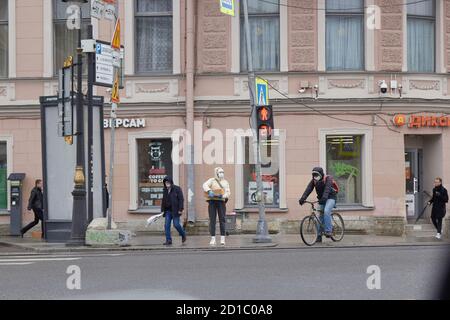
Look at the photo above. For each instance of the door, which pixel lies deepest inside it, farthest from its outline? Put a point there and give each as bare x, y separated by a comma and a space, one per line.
413, 182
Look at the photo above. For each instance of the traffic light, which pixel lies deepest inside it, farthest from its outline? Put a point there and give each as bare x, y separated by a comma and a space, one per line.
264, 122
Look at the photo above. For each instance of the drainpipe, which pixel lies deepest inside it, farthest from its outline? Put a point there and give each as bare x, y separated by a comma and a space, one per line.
190, 65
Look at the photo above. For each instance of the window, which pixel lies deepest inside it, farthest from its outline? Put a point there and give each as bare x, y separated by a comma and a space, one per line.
154, 46
344, 35
421, 36
264, 21
3, 175
344, 163
270, 171
3, 38
66, 40
154, 163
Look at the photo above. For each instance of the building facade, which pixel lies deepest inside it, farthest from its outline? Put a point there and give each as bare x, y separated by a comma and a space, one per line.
328, 64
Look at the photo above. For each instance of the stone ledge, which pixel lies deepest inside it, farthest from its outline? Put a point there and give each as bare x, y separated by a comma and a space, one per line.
102, 238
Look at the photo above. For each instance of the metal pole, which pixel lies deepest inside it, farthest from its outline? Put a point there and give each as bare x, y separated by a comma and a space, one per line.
262, 233
111, 163
90, 182
79, 193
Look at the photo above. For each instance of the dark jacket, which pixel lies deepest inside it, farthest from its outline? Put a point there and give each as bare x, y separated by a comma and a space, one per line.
323, 188
440, 198
36, 200
172, 201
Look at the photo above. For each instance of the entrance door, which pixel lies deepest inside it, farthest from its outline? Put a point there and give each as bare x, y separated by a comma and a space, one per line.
413, 177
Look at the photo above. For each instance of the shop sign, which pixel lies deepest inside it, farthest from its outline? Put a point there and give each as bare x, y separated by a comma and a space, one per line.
268, 188
415, 121
125, 123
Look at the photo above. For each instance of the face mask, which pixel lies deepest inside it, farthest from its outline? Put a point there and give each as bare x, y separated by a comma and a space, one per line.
220, 175
316, 178
168, 185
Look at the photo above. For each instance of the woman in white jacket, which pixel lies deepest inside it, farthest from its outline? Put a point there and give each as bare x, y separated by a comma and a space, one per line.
217, 191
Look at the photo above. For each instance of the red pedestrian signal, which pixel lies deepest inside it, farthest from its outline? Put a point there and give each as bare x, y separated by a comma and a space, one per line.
264, 122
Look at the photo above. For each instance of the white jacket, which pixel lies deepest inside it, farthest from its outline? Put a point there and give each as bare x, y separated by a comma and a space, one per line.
213, 184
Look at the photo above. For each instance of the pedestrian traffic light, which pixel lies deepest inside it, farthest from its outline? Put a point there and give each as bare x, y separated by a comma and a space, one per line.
264, 122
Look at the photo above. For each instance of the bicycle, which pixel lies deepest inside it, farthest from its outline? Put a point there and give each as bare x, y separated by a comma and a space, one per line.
310, 226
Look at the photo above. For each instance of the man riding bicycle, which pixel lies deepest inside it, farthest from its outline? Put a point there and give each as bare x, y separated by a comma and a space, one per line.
326, 195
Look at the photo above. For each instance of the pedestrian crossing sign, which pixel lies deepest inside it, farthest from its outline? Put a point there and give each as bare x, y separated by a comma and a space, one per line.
115, 98
262, 92
227, 7
115, 43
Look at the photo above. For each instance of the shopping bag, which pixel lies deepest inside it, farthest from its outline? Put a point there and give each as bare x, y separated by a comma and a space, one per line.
152, 219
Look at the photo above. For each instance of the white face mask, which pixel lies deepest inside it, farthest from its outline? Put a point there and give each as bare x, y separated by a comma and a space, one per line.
316, 178
220, 175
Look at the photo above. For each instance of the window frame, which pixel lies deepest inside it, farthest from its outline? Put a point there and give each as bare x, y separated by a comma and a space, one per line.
366, 160
6, 23
433, 18
343, 13
84, 21
242, 36
9, 165
136, 15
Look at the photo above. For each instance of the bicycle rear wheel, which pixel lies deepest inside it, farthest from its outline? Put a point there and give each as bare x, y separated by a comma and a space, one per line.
338, 227
309, 230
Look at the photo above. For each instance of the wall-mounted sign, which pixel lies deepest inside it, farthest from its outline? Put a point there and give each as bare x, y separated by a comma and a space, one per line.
106, 58
125, 123
421, 121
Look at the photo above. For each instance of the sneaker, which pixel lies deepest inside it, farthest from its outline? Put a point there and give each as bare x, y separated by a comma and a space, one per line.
328, 234
167, 243
183, 239
222, 240
319, 239
213, 241
438, 236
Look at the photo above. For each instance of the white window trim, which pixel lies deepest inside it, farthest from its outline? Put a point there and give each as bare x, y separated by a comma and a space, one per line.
133, 162
130, 37
239, 171
9, 167
236, 39
366, 161
48, 38
439, 54
12, 39
369, 39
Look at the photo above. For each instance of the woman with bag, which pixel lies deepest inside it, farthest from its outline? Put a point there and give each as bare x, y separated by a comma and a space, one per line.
217, 192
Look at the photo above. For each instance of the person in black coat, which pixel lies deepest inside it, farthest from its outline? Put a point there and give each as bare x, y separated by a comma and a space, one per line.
36, 203
439, 199
172, 207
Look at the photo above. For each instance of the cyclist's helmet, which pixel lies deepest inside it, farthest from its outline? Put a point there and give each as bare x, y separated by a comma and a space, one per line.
317, 173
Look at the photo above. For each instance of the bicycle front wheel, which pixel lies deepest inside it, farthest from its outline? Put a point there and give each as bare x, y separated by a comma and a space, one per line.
309, 230
338, 227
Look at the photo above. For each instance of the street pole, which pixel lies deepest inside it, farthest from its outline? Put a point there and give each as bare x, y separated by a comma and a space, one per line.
90, 93
262, 233
79, 192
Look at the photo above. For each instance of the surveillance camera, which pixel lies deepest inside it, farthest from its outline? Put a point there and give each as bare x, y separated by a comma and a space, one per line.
383, 86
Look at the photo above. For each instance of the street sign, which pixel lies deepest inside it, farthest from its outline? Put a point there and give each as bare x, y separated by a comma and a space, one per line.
106, 58
115, 98
97, 9
262, 92
115, 42
66, 98
110, 12
227, 7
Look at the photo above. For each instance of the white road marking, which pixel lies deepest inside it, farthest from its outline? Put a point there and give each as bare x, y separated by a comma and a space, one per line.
16, 264
38, 259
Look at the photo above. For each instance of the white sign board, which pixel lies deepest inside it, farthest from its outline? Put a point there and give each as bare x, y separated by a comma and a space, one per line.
97, 9
110, 12
106, 58
268, 192
410, 205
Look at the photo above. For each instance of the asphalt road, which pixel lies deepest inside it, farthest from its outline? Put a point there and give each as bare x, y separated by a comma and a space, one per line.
313, 273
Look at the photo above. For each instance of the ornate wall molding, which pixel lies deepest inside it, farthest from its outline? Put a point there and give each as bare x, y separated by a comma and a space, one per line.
346, 83
425, 84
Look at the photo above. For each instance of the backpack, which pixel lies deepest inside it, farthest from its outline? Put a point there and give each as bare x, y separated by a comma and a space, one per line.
334, 184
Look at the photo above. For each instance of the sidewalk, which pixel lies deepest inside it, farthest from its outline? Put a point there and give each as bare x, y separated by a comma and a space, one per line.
234, 242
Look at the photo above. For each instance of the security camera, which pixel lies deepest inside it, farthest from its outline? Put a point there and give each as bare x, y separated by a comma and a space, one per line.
383, 86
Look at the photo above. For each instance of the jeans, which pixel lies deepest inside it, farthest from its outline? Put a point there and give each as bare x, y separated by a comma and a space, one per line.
325, 217
38, 215
216, 207
176, 224
437, 222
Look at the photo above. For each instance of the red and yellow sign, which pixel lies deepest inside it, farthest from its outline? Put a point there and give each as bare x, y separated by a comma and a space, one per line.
115, 98
115, 42
416, 121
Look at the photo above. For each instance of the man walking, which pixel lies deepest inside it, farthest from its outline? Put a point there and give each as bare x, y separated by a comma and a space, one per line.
36, 203
172, 207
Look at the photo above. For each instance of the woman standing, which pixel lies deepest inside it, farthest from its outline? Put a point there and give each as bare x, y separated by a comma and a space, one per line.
440, 198
36, 203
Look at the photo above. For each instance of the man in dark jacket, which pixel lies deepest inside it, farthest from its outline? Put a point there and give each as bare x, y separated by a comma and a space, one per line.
172, 206
36, 203
439, 199
326, 195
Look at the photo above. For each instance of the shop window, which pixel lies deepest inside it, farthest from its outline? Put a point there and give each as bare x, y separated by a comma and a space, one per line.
270, 170
264, 20
421, 36
344, 35
3, 176
344, 163
154, 45
65, 40
3, 38
154, 163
